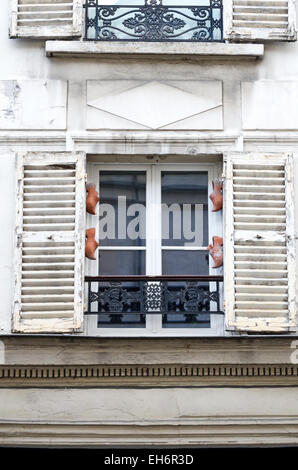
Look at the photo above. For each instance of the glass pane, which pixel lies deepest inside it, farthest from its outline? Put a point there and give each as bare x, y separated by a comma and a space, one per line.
186, 263
184, 208
179, 320
121, 299
180, 263
122, 263
122, 208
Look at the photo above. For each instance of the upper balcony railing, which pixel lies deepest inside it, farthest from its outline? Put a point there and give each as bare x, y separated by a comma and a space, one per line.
154, 21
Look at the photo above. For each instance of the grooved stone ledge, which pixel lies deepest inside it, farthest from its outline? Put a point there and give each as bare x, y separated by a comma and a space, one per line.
148, 375
111, 49
223, 432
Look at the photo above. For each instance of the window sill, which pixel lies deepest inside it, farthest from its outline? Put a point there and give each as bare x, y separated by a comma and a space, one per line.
149, 50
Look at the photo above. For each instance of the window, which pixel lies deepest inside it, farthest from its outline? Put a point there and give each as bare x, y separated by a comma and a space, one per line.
154, 20
154, 220
259, 247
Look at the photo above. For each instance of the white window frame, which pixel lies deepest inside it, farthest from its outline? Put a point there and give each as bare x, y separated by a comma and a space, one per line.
153, 246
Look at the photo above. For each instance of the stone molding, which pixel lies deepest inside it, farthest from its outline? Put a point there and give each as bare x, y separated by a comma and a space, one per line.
160, 375
252, 431
150, 50
153, 142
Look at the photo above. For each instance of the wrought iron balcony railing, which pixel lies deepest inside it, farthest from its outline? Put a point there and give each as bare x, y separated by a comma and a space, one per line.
153, 21
116, 297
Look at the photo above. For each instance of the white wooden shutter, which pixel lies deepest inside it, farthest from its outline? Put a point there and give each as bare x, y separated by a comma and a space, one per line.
259, 250
46, 19
50, 242
260, 20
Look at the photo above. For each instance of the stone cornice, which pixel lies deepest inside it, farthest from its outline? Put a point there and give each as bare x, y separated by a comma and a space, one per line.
149, 50
208, 431
161, 375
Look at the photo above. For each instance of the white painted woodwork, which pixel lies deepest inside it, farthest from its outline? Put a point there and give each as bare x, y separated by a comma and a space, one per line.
260, 20
259, 243
46, 19
50, 242
154, 247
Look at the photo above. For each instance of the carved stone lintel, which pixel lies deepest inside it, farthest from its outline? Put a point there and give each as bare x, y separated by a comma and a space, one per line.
92, 198
216, 251
91, 244
216, 196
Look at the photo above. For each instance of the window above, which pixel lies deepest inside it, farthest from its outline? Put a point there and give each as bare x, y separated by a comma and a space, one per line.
154, 20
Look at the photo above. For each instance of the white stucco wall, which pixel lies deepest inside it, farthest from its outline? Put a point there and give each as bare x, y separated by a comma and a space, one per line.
52, 97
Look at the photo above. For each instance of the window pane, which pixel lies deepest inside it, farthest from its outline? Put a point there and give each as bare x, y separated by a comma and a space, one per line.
122, 263
179, 320
122, 208
184, 208
121, 297
186, 263
180, 263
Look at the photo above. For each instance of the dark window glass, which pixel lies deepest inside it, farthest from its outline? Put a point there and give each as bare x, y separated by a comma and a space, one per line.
182, 263
122, 263
122, 195
123, 298
186, 263
185, 208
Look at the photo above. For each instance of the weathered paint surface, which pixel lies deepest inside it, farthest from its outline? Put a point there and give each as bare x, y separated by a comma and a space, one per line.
33, 104
32, 319
27, 68
257, 297
67, 25
261, 23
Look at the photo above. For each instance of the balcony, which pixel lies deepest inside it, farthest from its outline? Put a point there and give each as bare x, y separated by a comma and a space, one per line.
123, 300
152, 21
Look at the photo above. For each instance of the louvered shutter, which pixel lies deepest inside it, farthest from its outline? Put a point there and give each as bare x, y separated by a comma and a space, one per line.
46, 19
259, 253
260, 20
50, 243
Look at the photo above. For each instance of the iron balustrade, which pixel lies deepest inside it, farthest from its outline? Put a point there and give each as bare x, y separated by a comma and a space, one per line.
120, 297
153, 21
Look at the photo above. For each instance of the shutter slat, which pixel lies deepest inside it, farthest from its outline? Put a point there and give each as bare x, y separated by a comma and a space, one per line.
47, 266
50, 243
253, 316
50, 282
47, 290
268, 282
51, 299
272, 250
259, 258
259, 243
46, 20
259, 21
253, 289
46, 315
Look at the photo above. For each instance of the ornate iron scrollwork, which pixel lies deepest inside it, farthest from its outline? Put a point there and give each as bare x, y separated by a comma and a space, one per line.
141, 296
154, 21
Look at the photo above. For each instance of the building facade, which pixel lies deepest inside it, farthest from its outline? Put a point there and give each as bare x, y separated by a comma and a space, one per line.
167, 134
